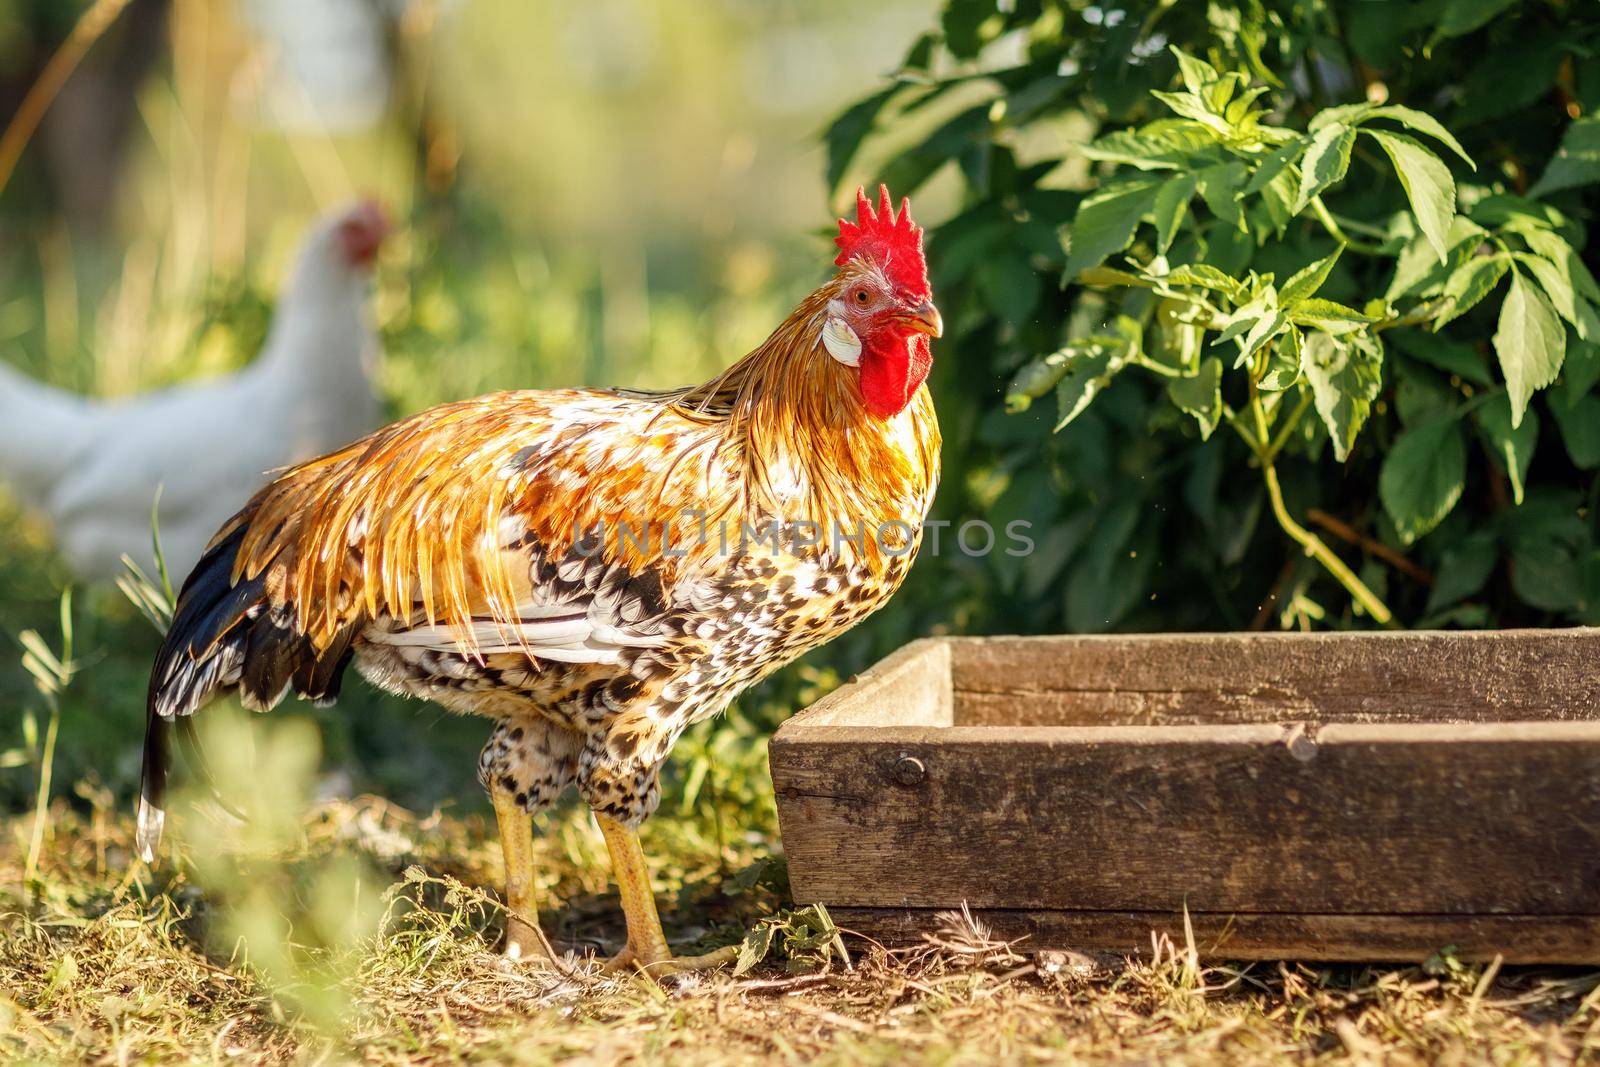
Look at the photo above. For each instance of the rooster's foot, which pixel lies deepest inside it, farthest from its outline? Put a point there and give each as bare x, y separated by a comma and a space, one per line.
663, 965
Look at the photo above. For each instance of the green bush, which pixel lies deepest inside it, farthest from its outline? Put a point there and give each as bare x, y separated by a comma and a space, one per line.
1306, 279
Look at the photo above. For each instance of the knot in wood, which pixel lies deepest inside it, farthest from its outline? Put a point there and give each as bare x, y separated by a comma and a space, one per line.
908, 770
1301, 741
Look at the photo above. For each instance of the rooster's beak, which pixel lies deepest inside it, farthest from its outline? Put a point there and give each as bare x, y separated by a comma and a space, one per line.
924, 318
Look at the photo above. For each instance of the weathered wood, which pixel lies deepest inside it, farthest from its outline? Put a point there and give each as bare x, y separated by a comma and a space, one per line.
1515, 938
1383, 819
1323, 800
911, 687
1353, 677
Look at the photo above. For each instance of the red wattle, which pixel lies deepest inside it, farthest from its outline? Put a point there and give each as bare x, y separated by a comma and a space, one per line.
891, 372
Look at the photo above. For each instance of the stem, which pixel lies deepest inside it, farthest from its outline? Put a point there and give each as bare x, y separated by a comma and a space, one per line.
1336, 231
1324, 555
1420, 313
1281, 438
41, 809
1160, 369
1239, 426
1315, 547
91, 25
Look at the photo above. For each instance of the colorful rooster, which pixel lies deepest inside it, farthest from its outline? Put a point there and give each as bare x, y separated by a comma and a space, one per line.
594, 570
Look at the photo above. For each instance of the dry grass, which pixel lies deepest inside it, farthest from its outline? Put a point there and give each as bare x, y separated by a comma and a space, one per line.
100, 962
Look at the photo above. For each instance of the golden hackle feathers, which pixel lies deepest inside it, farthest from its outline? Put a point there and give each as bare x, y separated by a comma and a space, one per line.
434, 516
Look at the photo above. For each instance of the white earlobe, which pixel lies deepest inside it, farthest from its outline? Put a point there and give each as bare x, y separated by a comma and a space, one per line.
841, 341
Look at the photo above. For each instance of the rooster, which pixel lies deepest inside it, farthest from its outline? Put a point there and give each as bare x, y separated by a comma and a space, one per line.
593, 570
94, 467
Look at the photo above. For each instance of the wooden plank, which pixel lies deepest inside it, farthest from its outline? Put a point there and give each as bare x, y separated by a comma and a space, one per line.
909, 688
1571, 939
1240, 678
1470, 819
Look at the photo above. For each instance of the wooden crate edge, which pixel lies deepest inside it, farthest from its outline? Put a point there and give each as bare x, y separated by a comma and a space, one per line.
1516, 939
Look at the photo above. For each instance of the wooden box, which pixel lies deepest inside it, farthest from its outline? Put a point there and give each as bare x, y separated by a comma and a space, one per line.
1374, 796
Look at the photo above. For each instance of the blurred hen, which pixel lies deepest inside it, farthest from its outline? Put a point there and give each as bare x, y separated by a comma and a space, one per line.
93, 467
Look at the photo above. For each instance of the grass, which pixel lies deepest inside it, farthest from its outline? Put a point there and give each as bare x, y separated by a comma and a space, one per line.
103, 961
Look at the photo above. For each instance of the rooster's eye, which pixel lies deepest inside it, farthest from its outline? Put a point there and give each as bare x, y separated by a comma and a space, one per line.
861, 296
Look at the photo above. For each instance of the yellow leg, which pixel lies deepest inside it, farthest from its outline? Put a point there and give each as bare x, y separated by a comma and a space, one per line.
647, 943
523, 938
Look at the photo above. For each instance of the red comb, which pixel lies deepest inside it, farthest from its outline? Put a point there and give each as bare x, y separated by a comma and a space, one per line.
892, 242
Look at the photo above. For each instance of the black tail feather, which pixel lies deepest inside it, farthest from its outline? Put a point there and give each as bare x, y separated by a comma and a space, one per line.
225, 637
152, 814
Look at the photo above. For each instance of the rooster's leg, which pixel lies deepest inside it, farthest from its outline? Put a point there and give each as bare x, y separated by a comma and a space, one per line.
524, 940
647, 943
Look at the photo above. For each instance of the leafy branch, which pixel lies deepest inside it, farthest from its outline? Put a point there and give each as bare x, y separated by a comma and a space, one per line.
1184, 192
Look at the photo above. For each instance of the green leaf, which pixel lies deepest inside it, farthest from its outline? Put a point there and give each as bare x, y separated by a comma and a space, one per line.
1172, 204
1342, 115
1580, 430
757, 943
1530, 343
1345, 378
1174, 342
1283, 363
1422, 122
1421, 397
1010, 286
1576, 162
1193, 107
1427, 182
1452, 357
1547, 535
1273, 164
1110, 277
1263, 330
1220, 186
1109, 578
1308, 280
1325, 162
1461, 17
1515, 213
1509, 77
1582, 368
845, 135
1242, 321
1036, 378
1422, 477
1512, 445
1200, 395
1557, 285
1165, 145
1553, 246
968, 26
1419, 271
1105, 223
1204, 276
1088, 371
1463, 570
1277, 201
1197, 74
1327, 315
1471, 282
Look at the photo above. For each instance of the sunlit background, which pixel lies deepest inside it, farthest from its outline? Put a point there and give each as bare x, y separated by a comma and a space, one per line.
618, 192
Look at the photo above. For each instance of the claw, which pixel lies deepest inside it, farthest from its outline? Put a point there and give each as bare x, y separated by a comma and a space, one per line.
627, 960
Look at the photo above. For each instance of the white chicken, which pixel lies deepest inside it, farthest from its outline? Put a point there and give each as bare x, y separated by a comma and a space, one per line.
94, 467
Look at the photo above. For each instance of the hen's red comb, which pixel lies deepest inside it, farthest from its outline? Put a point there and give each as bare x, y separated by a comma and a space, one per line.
892, 242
